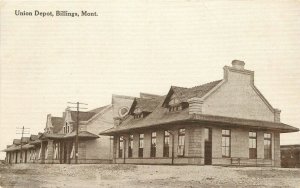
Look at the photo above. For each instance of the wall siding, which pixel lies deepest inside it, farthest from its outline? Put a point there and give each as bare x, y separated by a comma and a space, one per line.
236, 98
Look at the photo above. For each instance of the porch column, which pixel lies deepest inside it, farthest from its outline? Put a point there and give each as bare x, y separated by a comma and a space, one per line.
159, 143
43, 149
135, 149
147, 144
61, 152
115, 143
276, 150
50, 152
196, 142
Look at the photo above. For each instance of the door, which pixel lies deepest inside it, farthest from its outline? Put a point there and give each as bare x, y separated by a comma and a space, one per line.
208, 146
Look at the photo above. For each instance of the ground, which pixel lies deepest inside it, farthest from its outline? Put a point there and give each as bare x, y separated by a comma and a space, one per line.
113, 175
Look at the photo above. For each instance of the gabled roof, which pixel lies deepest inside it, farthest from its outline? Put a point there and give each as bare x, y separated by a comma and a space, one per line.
83, 116
57, 123
97, 110
33, 137
183, 94
52, 135
161, 115
17, 141
145, 104
148, 95
27, 146
12, 148
25, 139
82, 134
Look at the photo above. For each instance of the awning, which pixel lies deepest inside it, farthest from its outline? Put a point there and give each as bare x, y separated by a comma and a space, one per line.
81, 135
201, 119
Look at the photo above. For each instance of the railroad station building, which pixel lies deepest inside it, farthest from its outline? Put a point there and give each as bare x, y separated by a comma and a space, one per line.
224, 122
58, 139
56, 145
30, 150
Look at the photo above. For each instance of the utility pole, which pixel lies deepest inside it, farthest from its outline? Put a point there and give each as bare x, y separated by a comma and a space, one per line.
77, 127
23, 131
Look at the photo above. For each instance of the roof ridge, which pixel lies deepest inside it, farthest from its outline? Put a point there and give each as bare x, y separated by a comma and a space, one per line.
206, 83
179, 87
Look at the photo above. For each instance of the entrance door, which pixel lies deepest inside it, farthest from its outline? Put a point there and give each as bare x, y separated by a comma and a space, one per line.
208, 146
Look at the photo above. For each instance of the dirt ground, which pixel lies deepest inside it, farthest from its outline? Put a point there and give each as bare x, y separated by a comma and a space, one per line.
113, 175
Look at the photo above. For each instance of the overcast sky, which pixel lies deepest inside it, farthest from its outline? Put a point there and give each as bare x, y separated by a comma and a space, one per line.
142, 46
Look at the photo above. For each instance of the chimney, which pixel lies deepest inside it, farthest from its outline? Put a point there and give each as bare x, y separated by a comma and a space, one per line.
195, 105
277, 115
237, 64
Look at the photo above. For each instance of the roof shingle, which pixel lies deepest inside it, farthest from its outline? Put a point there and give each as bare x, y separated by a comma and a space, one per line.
161, 115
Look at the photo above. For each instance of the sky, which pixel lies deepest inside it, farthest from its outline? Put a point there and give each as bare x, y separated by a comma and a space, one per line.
141, 46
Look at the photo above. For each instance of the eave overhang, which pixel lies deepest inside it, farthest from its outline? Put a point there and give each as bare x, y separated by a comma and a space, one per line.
81, 135
201, 119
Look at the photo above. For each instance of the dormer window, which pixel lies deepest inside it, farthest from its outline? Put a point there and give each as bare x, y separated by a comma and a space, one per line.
67, 128
173, 102
137, 113
137, 116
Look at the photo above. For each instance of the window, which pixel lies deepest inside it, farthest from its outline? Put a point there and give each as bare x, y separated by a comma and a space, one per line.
120, 146
252, 145
137, 116
181, 137
267, 146
153, 144
137, 113
66, 128
123, 111
130, 145
141, 145
174, 108
226, 143
166, 144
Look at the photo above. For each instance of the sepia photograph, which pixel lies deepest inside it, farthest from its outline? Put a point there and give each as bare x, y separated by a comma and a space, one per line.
138, 93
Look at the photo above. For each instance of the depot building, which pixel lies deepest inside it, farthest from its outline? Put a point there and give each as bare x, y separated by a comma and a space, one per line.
223, 122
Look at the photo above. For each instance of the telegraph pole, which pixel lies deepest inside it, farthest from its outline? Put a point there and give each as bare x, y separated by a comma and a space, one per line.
24, 131
77, 127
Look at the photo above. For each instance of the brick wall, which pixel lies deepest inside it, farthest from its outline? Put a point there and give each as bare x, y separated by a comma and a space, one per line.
195, 142
239, 143
194, 147
50, 153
